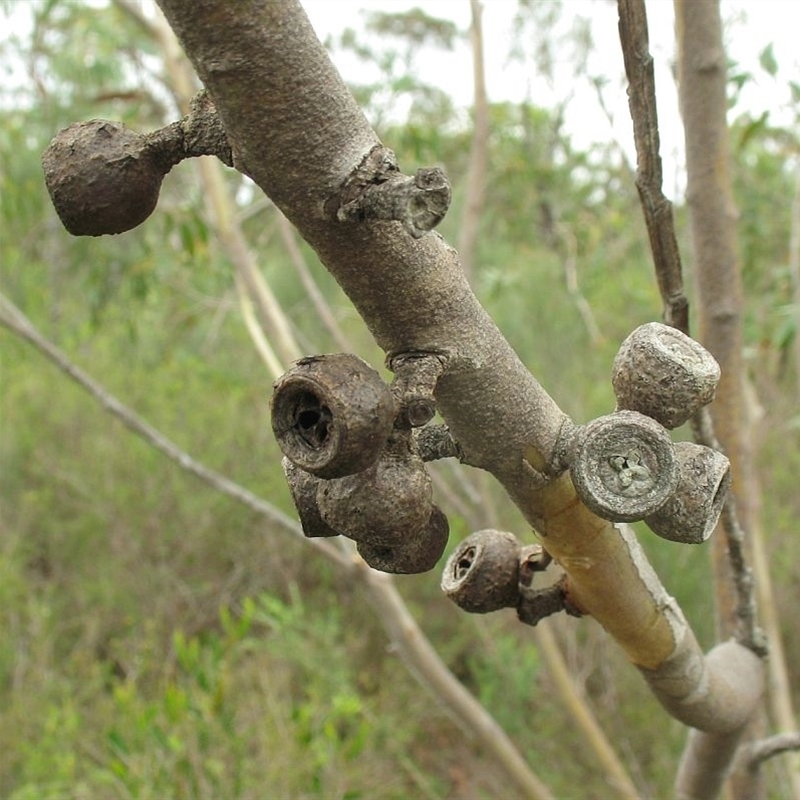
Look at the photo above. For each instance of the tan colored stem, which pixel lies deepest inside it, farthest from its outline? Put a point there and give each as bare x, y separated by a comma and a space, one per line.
573, 288
424, 661
413, 296
703, 99
779, 692
15, 321
475, 193
712, 213
266, 307
581, 714
321, 305
794, 272
260, 342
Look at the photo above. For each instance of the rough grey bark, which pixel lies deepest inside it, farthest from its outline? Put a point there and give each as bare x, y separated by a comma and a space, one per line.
296, 130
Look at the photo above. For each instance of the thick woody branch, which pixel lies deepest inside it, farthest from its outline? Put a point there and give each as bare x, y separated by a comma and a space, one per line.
708, 756
297, 131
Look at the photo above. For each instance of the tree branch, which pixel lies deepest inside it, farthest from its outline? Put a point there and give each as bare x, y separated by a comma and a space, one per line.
752, 756
649, 181
267, 72
475, 191
669, 272
708, 755
13, 319
756, 753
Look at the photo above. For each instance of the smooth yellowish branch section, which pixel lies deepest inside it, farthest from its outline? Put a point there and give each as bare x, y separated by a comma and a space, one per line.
610, 579
598, 555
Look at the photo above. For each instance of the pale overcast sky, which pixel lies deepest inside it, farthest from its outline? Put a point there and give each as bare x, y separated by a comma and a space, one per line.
751, 25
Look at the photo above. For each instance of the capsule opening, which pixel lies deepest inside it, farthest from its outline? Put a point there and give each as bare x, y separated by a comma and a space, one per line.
313, 421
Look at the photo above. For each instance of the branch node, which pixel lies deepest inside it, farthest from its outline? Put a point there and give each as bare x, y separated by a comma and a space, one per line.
377, 190
416, 375
536, 604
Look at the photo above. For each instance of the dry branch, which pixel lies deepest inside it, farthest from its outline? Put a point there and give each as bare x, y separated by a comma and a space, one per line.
758, 752
708, 756
18, 323
475, 192
296, 130
649, 180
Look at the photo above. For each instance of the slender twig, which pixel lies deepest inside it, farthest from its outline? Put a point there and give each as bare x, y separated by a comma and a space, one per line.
756, 753
581, 713
649, 179
748, 631
420, 656
318, 300
475, 189
13, 319
751, 757
257, 336
571, 278
669, 274
794, 270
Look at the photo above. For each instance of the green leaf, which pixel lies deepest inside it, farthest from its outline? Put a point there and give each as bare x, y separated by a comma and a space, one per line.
768, 61
753, 129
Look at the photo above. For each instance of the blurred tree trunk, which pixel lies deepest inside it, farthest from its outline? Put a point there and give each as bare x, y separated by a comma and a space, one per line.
479, 150
702, 79
713, 218
794, 273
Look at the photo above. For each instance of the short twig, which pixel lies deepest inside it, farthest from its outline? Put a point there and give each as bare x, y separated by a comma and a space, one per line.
756, 753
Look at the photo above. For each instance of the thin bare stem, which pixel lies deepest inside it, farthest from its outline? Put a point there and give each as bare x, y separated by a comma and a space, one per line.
573, 289
321, 305
764, 749
582, 715
400, 626
475, 192
752, 756
434, 675
794, 271
260, 341
649, 180
265, 305
13, 319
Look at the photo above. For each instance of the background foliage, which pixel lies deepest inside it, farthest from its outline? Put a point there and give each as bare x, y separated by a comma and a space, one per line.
160, 641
